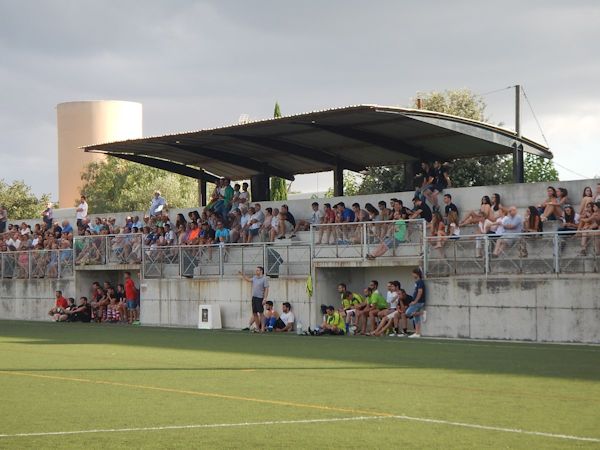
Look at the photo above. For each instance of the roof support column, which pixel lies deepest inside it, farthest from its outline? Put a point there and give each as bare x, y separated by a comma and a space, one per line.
260, 188
202, 198
518, 164
338, 181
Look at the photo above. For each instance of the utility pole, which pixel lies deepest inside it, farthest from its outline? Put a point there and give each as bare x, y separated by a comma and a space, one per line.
518, 164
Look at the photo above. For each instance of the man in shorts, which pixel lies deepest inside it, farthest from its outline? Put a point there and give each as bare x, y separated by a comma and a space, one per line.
60, 305
284, 322
260, 292
130, 298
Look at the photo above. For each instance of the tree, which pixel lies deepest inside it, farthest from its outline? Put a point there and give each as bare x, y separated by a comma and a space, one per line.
278, 185
20, 202
352, 184
480, 171
118, 185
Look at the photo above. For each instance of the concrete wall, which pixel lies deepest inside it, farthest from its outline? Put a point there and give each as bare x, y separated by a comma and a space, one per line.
31, 299
543, 308
175, 302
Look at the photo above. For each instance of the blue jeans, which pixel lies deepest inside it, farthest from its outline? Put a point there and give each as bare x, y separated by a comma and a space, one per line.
413, 309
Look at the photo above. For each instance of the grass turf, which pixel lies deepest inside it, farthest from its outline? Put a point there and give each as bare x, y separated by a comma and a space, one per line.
68, 377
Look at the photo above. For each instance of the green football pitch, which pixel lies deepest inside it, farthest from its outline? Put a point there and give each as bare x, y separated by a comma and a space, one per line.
101, 386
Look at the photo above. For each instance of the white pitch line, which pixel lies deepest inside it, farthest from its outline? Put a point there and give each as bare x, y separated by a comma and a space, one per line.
305, 421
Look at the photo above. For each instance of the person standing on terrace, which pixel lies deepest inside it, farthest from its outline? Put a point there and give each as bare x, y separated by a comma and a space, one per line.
82, 212
157, 205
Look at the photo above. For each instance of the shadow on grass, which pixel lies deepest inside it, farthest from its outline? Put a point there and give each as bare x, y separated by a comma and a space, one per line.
354, 353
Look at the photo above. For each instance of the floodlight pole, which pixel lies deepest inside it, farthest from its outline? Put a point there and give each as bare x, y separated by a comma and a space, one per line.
518, 163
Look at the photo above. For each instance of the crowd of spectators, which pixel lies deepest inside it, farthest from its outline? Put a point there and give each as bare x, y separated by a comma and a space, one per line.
230, 217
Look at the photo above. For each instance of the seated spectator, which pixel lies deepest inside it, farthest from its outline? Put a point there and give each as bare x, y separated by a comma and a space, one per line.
374, 303
328, 218
350, 301
449, 206
235, 225
254, 225
586, 198
284, 322
532, 223
333, 324
235, 200
80, 313
437, 230
485, 211
60, 305
221, 233
438, 180
551, 209
360, 215
265, 228
511, 224
274, 225
245, 222
287, 222
587, 224
99, 302
397, 237
316, 218
570, 222
421, 210
244, 197
451, 230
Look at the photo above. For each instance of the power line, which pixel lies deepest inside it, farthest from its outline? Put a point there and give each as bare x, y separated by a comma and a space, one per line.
495, 90
572, 171
535, 117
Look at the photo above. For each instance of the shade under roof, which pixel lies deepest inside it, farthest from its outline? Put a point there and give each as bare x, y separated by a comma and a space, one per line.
353, 137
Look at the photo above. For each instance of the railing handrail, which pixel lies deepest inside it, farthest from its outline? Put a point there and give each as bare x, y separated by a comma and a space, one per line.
367, 222
523, 234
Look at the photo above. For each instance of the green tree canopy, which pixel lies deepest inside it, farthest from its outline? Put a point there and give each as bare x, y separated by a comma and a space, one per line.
118, 185
481, 171
20, 202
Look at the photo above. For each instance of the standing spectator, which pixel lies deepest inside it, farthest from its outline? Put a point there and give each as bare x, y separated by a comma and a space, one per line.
3, 218
131, 294
157, 205
260, 293
47, 216
415, 307
82, 212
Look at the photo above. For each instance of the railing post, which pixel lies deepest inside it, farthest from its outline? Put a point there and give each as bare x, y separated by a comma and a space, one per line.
556, 252
29, 265
221, 262
486, 253
365, 246
59, 264
106, 250
312, 239
180, 255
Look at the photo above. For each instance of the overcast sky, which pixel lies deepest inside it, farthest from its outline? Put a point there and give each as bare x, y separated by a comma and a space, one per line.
196, 64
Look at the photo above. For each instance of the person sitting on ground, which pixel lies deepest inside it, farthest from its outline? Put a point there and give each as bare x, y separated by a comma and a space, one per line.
316, 218
284, 322
333, 324
415, 308
60, 305
511, 224
267, 314
81, 313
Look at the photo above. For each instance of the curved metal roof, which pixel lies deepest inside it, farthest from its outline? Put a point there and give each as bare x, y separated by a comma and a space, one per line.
352, 137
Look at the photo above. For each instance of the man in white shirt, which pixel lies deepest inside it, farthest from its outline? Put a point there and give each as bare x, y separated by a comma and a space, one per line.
254, 224
316, 218
157, 205
82, 211
284, 322
511, 223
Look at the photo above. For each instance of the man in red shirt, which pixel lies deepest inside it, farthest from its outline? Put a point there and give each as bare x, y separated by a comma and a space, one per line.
130, 297
60, 305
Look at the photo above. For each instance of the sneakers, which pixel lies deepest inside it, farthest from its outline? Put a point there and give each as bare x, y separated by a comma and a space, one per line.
246, 329
415, 335
401, 334
392, 334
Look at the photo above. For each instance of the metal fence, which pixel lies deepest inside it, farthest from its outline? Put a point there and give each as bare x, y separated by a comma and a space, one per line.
108, 249
52, 264
392, 238
515, 253
204, 261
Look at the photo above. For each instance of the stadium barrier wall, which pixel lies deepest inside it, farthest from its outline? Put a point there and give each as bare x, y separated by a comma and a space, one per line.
31, 299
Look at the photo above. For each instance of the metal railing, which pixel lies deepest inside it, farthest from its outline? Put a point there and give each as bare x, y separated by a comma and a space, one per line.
514, 253
108, 249
32, 264
202, 261
396, 238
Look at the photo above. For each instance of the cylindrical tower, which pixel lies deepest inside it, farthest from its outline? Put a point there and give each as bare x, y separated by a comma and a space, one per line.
86, 123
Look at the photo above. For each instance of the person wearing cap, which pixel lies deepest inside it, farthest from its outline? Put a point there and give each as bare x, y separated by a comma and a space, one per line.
333, 324
157, 205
